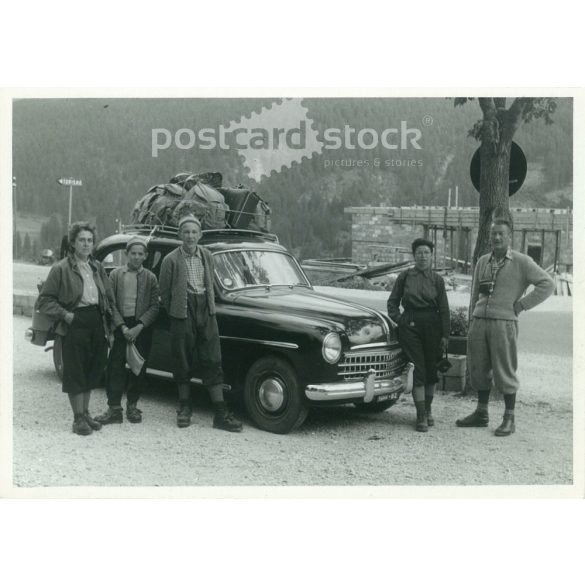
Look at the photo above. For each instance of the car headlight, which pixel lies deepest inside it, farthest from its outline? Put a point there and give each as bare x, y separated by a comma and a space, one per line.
331, 348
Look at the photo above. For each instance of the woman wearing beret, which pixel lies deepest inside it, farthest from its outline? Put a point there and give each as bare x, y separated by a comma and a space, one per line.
77, 296
423, 325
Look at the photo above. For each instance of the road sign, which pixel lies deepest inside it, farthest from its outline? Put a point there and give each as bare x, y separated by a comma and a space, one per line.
518, 169
70, 182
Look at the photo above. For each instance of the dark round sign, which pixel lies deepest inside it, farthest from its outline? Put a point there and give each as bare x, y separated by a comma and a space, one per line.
518, 169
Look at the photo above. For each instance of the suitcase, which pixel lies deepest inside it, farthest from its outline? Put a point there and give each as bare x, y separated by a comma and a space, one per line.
243, 204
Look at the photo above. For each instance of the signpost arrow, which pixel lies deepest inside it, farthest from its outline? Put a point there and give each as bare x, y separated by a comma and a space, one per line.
70, 182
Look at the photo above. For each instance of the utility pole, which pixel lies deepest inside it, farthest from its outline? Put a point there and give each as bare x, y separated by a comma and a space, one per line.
14, 205
70, 182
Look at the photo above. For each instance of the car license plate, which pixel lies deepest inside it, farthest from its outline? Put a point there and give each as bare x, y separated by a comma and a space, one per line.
383, 397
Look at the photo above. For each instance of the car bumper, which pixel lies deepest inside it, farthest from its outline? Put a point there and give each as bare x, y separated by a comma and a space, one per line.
366, 389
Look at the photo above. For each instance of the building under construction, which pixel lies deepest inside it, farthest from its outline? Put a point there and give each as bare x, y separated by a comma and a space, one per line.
384, 235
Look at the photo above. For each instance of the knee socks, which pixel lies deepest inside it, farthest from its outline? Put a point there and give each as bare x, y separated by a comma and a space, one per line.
429, 394
510, 403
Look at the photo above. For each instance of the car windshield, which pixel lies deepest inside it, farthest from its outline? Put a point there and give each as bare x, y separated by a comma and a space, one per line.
252, 268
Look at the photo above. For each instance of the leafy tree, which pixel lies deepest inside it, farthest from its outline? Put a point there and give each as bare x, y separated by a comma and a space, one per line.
495, 131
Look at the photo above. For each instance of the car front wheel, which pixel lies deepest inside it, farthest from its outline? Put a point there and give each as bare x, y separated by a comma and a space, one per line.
272, 396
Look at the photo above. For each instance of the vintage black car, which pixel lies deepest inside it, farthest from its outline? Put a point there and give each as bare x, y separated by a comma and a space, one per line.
285, 347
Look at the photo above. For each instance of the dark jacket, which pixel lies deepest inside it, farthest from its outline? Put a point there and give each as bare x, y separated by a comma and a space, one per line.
173, 283
431, 297
62, 291
147, 301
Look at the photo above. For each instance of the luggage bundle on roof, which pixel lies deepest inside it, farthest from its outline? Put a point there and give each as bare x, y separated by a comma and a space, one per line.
202, 195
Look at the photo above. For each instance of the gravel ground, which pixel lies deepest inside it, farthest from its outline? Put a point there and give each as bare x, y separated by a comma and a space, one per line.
336, 446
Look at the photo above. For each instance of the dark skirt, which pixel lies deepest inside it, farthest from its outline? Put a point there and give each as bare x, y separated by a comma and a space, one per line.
420, 336
85, 350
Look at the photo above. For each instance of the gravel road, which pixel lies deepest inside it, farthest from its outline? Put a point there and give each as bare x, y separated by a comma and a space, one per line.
336, 446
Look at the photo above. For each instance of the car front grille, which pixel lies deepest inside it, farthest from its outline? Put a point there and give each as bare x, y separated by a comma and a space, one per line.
386, 362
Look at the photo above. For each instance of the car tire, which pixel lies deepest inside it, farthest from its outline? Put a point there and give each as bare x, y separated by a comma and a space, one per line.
272, 396
374, 407
58, 355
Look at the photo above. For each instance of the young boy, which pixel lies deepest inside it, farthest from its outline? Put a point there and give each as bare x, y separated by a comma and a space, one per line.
186, 285
137, 303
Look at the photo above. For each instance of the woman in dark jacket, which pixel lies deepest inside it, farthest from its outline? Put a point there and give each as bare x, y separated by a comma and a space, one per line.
423, 326
78, 297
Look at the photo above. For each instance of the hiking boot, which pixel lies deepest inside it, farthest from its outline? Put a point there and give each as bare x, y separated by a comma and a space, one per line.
112, 415
81, 426
133, 414
226, 421
430, 419
184, 416
507, 427
422, 425
92, 422
478, 418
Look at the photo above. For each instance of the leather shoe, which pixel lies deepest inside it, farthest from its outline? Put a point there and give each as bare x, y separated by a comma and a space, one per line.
94, 424
507, 427
430, 419
478, 418
81, 426
226, 421
184, 417
112, 416
133, 414
422, 425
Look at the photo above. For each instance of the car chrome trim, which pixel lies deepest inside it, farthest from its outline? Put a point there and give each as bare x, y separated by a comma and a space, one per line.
284, 344
385, 325
369, 345
385, 361
169, 376
367, 388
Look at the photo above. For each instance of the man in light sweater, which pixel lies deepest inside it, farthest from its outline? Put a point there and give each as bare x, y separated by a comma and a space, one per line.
498, 296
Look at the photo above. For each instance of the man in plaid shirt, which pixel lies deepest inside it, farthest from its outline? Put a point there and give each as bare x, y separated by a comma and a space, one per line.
186, 288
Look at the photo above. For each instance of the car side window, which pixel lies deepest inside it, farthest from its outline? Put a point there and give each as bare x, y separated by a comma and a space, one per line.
113, 259
154, 260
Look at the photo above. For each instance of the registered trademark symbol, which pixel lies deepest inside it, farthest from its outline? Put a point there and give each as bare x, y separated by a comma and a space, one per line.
427, 120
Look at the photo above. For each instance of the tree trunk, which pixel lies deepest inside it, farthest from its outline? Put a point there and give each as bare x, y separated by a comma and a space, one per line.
494, 188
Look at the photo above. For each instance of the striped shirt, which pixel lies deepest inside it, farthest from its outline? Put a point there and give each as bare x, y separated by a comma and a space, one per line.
195, 271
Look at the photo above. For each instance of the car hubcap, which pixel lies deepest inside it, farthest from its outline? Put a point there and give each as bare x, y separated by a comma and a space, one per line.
271, 394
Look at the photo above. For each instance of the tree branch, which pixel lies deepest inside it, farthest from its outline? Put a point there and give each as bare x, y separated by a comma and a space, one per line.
500, 103
515, 114
487, 106
516, 110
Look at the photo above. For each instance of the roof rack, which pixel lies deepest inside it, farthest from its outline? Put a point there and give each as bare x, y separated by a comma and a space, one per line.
167, 230
151, 230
